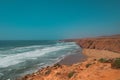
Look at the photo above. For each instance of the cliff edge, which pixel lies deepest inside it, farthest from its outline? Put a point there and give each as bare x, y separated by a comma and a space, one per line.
111, 43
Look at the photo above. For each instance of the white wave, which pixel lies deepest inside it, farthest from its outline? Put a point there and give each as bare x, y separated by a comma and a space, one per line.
13, 59
5, 53
1, 74
27, 47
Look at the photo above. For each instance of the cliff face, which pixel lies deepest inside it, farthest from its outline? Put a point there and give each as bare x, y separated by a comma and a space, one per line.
102, 43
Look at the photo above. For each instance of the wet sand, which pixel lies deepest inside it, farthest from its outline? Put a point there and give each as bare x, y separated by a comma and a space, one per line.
73, 58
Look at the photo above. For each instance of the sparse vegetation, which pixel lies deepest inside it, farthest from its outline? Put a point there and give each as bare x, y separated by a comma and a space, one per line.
47, 72
103, 60
88, 65
71, 74
116, 63
57, 65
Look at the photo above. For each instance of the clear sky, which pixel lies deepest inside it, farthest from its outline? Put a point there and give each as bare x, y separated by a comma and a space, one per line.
58, 19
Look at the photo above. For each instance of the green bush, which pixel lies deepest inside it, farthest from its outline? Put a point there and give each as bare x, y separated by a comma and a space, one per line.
71, 74
116, 63
103, 60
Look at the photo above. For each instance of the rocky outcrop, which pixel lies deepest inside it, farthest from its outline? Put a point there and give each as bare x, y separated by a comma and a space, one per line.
91, 69
110, 43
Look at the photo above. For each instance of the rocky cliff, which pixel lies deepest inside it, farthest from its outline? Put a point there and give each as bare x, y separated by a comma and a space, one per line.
111, 43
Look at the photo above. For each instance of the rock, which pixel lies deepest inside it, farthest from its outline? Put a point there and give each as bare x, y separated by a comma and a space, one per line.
102, 43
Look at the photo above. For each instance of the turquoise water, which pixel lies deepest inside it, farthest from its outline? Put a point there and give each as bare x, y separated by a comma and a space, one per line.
18, 58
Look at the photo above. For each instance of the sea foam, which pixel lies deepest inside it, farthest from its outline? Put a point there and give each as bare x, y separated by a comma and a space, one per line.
13, 59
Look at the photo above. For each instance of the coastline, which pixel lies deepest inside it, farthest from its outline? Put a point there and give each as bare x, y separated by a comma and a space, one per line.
68, 60
96, 65
89, 69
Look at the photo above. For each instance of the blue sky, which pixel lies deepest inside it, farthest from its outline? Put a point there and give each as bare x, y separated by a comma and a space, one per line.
58, 19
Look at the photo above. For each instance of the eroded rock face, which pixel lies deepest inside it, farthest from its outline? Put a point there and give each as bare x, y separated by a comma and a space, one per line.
110, 43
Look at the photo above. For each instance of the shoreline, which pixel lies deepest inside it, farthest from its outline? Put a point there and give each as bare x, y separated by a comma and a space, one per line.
73, 58
89, 69
97, 64
68, 60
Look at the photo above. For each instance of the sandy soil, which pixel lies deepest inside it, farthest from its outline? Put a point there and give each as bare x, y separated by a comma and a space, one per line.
94, 53
91, 69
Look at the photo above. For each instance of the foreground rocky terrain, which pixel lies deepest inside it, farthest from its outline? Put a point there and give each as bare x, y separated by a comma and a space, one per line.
103, 62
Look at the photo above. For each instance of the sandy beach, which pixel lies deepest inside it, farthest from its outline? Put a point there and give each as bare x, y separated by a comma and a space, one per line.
73, 59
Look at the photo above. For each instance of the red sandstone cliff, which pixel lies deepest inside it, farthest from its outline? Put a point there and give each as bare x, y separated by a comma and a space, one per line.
110, 43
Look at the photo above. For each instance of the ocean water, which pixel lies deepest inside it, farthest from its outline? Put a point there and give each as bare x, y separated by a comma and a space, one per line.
18, 58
